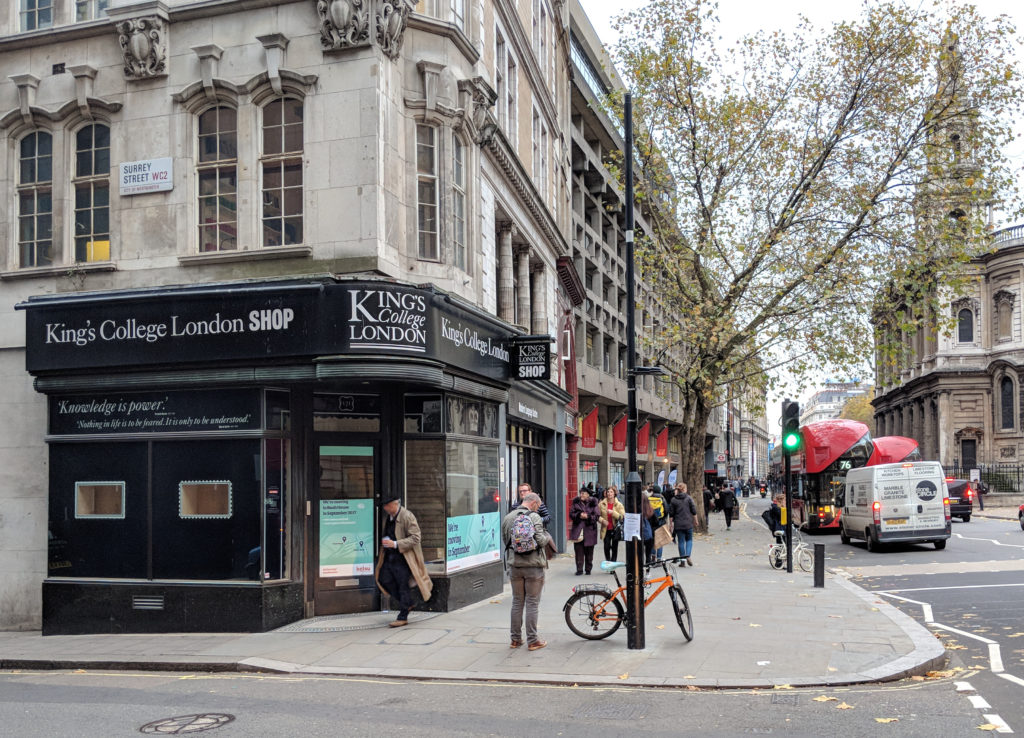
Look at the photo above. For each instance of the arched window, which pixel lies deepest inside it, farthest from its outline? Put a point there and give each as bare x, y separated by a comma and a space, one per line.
965, 326
92, 193
1006, 404
459, 202
282, 173
217, 172
35, 200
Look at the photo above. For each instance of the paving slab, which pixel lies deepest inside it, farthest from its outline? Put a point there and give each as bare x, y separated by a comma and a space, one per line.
754, 628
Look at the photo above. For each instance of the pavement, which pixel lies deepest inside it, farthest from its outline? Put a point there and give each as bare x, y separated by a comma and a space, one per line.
754, 627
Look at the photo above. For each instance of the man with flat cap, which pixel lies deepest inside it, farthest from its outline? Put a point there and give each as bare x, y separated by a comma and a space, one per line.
400, 561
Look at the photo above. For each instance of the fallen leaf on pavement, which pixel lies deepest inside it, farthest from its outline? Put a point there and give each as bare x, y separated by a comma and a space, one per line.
955, 647
803, 594
624, 676
826, 698
844, 706
988, 726
874, 609
754, 625
689, 676
917, 678
660, 627
939, 674
887, 720
1015, 635
495, 602
836, 616
783, 686
832, 668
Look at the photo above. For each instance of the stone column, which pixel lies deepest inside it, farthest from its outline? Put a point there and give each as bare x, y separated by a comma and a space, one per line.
928, 441
506, 276
907, 420
944, 432
539, 304
523, 279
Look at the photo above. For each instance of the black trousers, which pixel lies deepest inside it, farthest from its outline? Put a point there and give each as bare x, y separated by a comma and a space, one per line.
611, 547
728, 517
584, 557
394, 577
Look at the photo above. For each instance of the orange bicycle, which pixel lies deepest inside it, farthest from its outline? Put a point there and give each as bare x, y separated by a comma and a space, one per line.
595, 611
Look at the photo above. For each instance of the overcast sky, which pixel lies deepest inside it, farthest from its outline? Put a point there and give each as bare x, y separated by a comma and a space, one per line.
743, 17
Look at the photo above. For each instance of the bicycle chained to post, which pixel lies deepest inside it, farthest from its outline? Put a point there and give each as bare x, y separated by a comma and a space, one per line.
801, 552
595, 611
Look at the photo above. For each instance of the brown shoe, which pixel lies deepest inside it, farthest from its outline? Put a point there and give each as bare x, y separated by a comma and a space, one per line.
397, 623
515, 644
688, 561
537, 645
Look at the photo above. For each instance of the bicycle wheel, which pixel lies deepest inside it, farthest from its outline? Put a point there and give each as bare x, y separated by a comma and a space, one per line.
777, 557
682, 608
805, 559
592, 615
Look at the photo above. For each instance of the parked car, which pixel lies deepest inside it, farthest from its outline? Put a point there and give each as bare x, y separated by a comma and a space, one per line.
1020, 516
961, 498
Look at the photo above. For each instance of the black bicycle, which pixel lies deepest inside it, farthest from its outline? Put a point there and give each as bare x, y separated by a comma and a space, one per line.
595, 611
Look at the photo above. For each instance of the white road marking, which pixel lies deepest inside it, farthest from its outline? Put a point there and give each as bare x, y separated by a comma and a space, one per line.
960, 586
979, 702
995, 657
990, 540
1002, 727
924, 605
963, 686
1011, 678
965, 634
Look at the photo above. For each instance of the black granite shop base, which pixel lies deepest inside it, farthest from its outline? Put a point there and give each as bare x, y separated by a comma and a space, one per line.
79, 608
462, 588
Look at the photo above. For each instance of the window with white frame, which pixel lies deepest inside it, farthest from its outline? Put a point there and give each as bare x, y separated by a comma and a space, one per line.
36, 14
35, 200
500, 62
426, 192
282, 173
458, 8
459, 203
512, 92
217, 175
86, 10
92, 193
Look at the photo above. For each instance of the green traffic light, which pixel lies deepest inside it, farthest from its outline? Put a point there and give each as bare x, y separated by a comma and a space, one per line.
791, 440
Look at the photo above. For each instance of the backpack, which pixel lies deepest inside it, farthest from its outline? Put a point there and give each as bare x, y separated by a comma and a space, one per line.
522, 539
766, 516
658, 503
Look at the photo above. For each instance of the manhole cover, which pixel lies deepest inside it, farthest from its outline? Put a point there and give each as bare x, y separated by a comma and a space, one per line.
183, 724
784, 699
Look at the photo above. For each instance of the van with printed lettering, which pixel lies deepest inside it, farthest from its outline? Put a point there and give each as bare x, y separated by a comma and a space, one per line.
905, 502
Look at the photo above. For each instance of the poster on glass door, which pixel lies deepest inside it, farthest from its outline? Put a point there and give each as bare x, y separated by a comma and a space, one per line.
472, 540
346, 538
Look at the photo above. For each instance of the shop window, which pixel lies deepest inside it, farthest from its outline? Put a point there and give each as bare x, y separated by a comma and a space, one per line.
99, 500
472, 536
282, 173
422, 414
277, 462
204, 499
426, 193
469, 417
217, 173
36, 14
425, 496
278, 412
92, 193
35, 200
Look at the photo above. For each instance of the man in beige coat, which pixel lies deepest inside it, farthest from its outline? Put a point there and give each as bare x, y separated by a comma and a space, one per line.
400, 560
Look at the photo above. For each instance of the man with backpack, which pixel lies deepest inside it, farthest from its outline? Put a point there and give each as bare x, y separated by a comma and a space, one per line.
524, 537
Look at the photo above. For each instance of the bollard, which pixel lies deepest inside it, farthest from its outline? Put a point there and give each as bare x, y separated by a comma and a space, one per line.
819, 565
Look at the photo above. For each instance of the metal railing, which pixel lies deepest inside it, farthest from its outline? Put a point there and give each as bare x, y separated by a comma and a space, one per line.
1000, 478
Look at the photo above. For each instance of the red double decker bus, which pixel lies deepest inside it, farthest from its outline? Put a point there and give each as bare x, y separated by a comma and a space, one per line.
893, 449
828, 449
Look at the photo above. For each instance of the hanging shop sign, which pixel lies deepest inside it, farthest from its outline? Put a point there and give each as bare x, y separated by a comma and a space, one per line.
251, 322
532, 360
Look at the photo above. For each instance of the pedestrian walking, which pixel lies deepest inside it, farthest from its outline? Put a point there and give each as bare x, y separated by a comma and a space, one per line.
683, 511
400, 564
982, 491
726, 502
612, 514
709, 502
585, 515
526, 568
646, 529
658, 520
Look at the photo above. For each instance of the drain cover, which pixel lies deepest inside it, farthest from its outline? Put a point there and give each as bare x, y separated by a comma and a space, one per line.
183, 724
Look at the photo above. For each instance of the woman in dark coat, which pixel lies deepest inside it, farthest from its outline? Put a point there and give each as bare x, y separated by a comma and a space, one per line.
584, 515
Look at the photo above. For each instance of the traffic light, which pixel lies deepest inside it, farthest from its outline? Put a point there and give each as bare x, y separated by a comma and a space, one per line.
790, 426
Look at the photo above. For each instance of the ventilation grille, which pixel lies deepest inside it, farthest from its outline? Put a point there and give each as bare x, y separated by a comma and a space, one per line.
478, 584
147, 602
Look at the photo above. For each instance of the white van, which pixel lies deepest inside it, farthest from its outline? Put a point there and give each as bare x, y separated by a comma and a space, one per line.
905, 502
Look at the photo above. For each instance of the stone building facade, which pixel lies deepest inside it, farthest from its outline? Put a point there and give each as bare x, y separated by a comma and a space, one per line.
266, 261
958, 393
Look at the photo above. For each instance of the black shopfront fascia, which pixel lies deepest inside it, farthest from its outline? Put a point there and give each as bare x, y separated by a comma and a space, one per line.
311, 333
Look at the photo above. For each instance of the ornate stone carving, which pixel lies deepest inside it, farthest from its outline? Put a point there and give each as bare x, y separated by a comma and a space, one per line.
482, 97
144, 46
392, 18
346, 24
